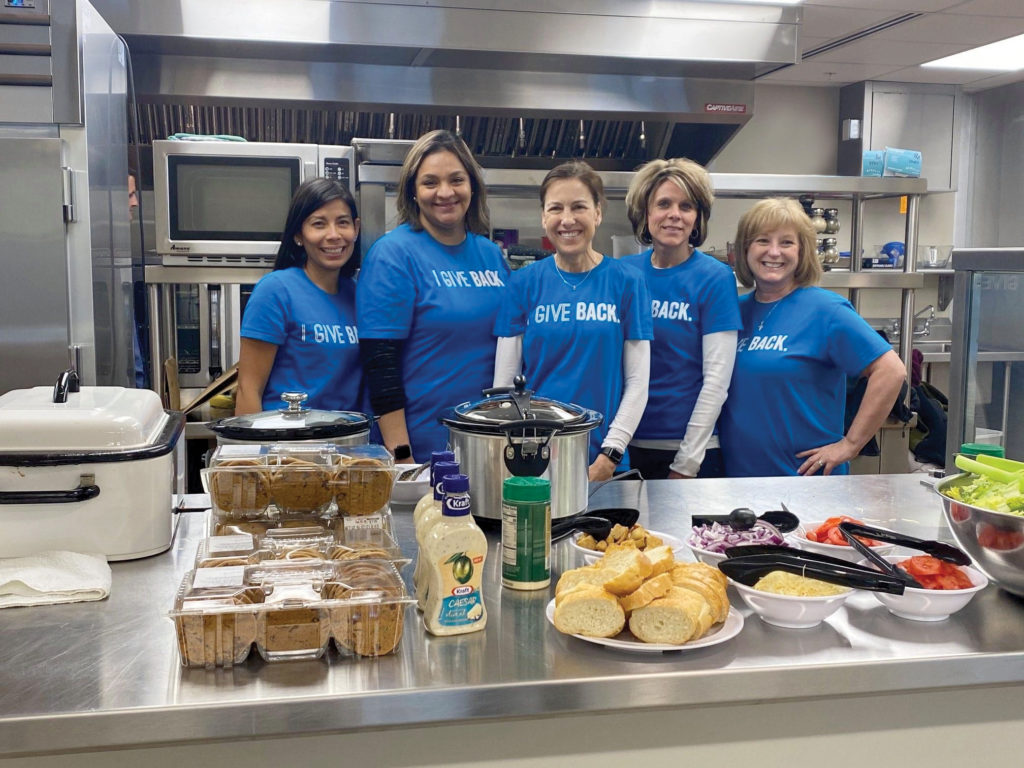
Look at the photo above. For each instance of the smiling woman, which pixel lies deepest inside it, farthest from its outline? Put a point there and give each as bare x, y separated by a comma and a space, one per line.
427, 298
299, 330
578, 325
797, 346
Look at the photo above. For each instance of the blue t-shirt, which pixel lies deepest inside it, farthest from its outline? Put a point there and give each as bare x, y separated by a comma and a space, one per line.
688, 301
315, 334
442, 301
788, 390
573, 339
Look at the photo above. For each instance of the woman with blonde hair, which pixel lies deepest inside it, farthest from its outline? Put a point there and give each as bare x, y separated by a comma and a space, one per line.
427, 297
798, 345
696, 316
578, 324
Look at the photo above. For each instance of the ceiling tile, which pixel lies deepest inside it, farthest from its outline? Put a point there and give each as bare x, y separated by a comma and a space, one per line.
899, 54
827, 73
820, 21
950, 28
1011, 8
947, 76
893, 7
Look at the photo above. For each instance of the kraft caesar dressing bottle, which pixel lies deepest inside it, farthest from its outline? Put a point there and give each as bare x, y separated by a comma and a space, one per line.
423, 520
454, 551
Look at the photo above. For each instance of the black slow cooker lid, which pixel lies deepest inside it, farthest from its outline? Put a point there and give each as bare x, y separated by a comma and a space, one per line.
292, 423
491, 413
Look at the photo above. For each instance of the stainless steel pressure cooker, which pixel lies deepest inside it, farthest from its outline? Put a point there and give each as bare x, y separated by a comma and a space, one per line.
512, 432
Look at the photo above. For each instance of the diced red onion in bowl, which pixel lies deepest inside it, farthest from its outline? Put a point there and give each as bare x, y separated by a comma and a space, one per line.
717, 537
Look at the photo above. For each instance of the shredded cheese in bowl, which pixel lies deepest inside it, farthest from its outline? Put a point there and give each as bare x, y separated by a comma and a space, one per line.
785, 583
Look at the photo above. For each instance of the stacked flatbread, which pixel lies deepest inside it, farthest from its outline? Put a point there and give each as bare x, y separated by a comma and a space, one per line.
661, 600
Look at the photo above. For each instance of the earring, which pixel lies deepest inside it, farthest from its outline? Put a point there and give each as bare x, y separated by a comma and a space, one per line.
298, 242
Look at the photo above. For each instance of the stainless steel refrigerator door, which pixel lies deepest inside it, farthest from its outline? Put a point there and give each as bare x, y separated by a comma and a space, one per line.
33, 262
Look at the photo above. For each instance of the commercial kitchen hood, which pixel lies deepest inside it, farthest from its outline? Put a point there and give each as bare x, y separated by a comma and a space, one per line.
615, 81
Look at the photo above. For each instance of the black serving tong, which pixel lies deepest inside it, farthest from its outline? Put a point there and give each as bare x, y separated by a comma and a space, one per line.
597, 522
936, 549
748, 569
743, 519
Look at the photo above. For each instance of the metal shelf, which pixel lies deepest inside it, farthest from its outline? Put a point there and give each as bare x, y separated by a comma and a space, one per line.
870, 279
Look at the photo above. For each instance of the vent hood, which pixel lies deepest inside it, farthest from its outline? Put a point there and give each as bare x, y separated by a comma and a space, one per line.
615, 81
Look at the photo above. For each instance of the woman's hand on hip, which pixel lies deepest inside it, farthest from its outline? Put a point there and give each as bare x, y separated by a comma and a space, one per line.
601, 469
826, 458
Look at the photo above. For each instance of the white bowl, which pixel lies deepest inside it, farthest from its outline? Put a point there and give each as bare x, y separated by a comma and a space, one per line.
843, 552
591, 556
930, 604
788, 611
411, 491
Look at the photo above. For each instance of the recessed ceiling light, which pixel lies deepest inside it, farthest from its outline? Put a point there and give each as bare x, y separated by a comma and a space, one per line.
1004, 56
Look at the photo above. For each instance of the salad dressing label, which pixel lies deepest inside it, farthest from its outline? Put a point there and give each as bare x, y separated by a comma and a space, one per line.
460, 604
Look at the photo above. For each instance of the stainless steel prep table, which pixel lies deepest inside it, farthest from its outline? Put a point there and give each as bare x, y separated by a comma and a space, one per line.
106, 675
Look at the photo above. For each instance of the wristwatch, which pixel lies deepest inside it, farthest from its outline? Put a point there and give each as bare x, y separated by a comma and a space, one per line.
402, 452
613, 453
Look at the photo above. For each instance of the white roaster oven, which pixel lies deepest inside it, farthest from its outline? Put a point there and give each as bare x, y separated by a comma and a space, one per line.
86, 469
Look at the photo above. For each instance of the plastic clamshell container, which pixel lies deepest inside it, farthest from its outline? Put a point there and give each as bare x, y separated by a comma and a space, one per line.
296, 481
312, 542
289, 610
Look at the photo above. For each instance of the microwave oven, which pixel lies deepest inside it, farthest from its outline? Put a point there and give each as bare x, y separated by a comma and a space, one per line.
224, 203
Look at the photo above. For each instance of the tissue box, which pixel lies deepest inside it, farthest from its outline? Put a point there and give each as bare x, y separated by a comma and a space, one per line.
872, 162
902, 162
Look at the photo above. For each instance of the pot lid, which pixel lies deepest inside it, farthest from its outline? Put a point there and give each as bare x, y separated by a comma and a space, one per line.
503, 405
292, 422
90, 419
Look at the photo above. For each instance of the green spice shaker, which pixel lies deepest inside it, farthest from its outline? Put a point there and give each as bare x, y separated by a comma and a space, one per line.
526, 533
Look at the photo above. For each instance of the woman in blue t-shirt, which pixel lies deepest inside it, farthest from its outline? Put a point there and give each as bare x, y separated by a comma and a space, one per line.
578, 324
299, 326
428, 294
798, 345
696, 316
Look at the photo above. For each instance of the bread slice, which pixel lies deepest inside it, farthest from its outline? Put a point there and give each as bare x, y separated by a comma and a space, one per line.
629, 566
588, 610
590, 574
667, 620
710, 593
700, 609
662, 559
648, 591
708, 572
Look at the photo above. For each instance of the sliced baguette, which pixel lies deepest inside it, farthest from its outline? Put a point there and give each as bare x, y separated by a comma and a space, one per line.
648, 591
589, 610
700, 609
662, 559
671, 620
629, 566
590, 574
710, 593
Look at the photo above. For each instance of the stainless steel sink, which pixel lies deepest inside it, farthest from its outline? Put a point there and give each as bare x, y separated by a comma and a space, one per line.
932, 345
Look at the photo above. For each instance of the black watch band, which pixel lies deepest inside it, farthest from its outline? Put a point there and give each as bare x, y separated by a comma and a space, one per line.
613, 453
402, 452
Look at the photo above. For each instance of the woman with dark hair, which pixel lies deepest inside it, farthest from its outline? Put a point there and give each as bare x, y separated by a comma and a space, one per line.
299, 327
797, 346
577, 324
428, 294
696, 316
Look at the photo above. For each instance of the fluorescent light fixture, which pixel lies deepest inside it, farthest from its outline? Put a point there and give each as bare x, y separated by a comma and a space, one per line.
1003, 56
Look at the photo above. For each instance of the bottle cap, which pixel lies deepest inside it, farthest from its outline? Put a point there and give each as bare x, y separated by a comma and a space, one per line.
973, 449
455, 483
526, 489
456, 500
438, 471
438, 456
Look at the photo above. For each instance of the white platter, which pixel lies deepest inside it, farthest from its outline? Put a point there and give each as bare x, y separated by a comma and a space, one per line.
624, 641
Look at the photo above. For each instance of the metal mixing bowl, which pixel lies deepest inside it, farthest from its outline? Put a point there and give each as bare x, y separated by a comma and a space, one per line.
994, 540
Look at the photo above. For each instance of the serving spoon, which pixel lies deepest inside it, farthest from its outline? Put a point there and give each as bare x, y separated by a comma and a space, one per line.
743, 519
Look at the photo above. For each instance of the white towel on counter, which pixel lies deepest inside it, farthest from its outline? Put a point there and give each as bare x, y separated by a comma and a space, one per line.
53, 577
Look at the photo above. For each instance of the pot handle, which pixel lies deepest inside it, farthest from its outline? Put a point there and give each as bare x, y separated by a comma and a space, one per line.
87, 489
529, 458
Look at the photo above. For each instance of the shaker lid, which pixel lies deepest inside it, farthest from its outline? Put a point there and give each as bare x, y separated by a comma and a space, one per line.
292, 423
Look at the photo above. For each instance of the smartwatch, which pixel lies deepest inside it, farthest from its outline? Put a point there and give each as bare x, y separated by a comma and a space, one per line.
402, 452
613, 453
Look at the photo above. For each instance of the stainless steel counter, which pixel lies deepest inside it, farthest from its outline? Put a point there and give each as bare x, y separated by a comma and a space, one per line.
102, 675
